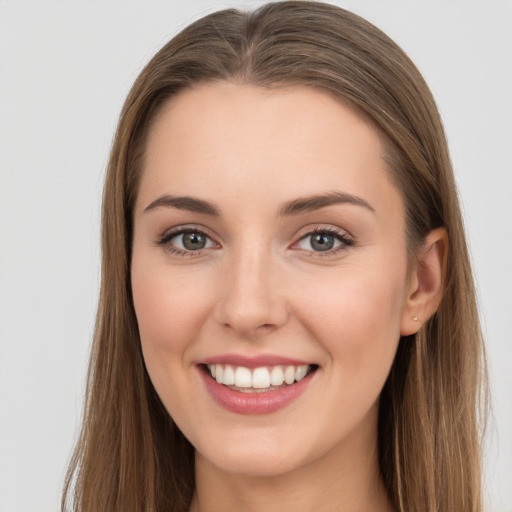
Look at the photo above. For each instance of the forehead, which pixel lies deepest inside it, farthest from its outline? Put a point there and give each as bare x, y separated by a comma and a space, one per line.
226, 138
209, 111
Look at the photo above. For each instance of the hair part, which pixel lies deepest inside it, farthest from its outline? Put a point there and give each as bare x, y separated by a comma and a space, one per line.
130, 454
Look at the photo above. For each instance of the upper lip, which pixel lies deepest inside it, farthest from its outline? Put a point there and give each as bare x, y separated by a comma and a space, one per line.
255, 361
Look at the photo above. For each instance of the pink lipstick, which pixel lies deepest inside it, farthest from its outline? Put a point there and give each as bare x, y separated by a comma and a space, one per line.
255, 385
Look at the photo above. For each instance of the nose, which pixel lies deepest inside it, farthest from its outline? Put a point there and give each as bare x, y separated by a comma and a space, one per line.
252, 300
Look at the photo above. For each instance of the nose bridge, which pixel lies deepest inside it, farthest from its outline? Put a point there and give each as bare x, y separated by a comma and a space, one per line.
251, 298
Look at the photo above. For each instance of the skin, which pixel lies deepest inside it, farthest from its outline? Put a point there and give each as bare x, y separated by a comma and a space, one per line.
258, 287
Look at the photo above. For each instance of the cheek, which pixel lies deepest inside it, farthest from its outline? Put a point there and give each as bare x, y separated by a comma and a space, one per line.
356, 320
357, 317
168, 306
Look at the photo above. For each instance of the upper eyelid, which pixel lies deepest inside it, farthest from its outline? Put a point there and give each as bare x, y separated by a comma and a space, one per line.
186, 228
323, 228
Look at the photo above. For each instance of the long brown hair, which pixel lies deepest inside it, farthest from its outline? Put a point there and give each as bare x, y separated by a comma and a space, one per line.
130, 455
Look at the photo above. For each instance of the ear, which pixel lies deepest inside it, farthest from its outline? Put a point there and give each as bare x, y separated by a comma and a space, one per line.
426, 283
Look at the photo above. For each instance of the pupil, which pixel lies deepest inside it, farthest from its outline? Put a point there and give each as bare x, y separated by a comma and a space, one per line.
322, 242
194, 241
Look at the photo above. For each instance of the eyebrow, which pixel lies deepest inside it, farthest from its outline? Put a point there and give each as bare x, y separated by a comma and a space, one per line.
294, 207
184, 203
312, 203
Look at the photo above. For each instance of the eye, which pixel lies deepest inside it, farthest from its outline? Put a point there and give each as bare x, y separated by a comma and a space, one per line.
186, 241
326, 241
191, 241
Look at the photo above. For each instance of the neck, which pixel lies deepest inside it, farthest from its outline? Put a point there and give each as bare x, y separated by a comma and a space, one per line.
347, 478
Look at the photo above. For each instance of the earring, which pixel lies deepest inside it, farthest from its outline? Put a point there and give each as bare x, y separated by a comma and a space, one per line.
415, 318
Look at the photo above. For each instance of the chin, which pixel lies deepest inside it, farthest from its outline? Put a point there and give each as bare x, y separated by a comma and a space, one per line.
255, 464
264, 456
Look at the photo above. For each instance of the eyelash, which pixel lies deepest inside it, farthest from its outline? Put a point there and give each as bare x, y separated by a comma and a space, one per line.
165, 239
346, 242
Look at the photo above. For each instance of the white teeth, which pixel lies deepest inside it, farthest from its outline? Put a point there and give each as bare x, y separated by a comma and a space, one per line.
219, 373
300, 372
276, 376
289, 375
243, 377
229, 376
258, 378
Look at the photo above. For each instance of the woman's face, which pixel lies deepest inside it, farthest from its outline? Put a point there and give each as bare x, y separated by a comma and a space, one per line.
269, 242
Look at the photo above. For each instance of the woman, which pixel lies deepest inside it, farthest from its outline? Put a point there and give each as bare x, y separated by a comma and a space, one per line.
287, 316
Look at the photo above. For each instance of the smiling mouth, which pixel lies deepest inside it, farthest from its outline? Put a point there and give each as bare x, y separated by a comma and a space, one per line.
258, 380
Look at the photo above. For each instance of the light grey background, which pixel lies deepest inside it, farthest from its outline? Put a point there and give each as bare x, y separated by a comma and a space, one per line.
65, 68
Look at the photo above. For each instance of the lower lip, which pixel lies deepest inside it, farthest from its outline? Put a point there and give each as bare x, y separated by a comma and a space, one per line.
263, 402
